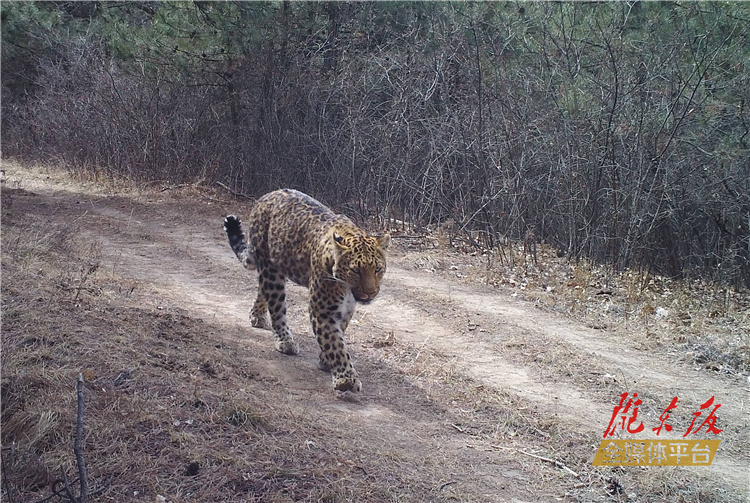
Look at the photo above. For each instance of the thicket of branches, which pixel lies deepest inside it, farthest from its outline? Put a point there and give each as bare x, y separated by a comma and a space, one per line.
616, 131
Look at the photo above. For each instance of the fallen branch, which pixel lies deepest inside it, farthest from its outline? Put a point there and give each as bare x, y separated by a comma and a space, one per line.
447, 484
66, 493
233, 192
553, 461
178, 186
66, 486
61, 490
78, 444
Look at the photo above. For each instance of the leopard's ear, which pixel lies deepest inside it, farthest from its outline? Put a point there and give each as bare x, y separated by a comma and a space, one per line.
338, 245
339, 240
384, 241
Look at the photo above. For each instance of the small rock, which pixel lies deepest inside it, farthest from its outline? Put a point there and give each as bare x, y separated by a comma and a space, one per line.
609, 379
193, 468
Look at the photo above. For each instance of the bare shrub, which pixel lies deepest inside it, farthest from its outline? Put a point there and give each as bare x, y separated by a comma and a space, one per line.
615, 131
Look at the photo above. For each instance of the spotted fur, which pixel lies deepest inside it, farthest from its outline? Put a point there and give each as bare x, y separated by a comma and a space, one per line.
293, 236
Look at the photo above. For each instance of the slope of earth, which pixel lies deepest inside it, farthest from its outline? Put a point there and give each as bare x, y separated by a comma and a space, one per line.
469, 395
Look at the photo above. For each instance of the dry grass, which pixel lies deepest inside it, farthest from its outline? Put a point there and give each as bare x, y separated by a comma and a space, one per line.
182, 407
158, 396
706, 324
697, 321
172, 408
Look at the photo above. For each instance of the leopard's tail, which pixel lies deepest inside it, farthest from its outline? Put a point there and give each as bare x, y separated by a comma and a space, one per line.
236, 237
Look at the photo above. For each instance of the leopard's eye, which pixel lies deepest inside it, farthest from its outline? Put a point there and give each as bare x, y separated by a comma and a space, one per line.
355, 270
378, 269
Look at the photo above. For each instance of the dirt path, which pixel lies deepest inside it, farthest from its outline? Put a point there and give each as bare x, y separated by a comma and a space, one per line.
425, 336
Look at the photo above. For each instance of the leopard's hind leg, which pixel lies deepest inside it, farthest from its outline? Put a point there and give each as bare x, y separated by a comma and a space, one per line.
259, 313
271, 288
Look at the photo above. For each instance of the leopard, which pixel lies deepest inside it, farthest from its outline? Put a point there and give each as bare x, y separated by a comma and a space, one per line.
293, 236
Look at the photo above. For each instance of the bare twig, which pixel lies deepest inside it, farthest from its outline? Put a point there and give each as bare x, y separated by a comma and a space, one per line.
553, 461
178, 186
104, 486
447, 484
78, 445
66, 485
60, 492
409, 236
55, 493
85, 273
233, 192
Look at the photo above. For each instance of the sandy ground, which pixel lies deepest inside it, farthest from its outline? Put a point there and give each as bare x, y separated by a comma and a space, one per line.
432, 351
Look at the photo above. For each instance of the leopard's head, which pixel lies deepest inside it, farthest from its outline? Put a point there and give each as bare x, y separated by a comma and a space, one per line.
359, 260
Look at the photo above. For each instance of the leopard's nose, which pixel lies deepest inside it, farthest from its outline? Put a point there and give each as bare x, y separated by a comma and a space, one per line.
366, 296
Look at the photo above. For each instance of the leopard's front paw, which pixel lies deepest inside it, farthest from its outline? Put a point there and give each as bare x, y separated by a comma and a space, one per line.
287, 347
347, 384
323, 363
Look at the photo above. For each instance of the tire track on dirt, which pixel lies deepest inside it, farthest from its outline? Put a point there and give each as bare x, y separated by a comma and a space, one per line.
476, 357
200, 283
194, 268
645, 369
